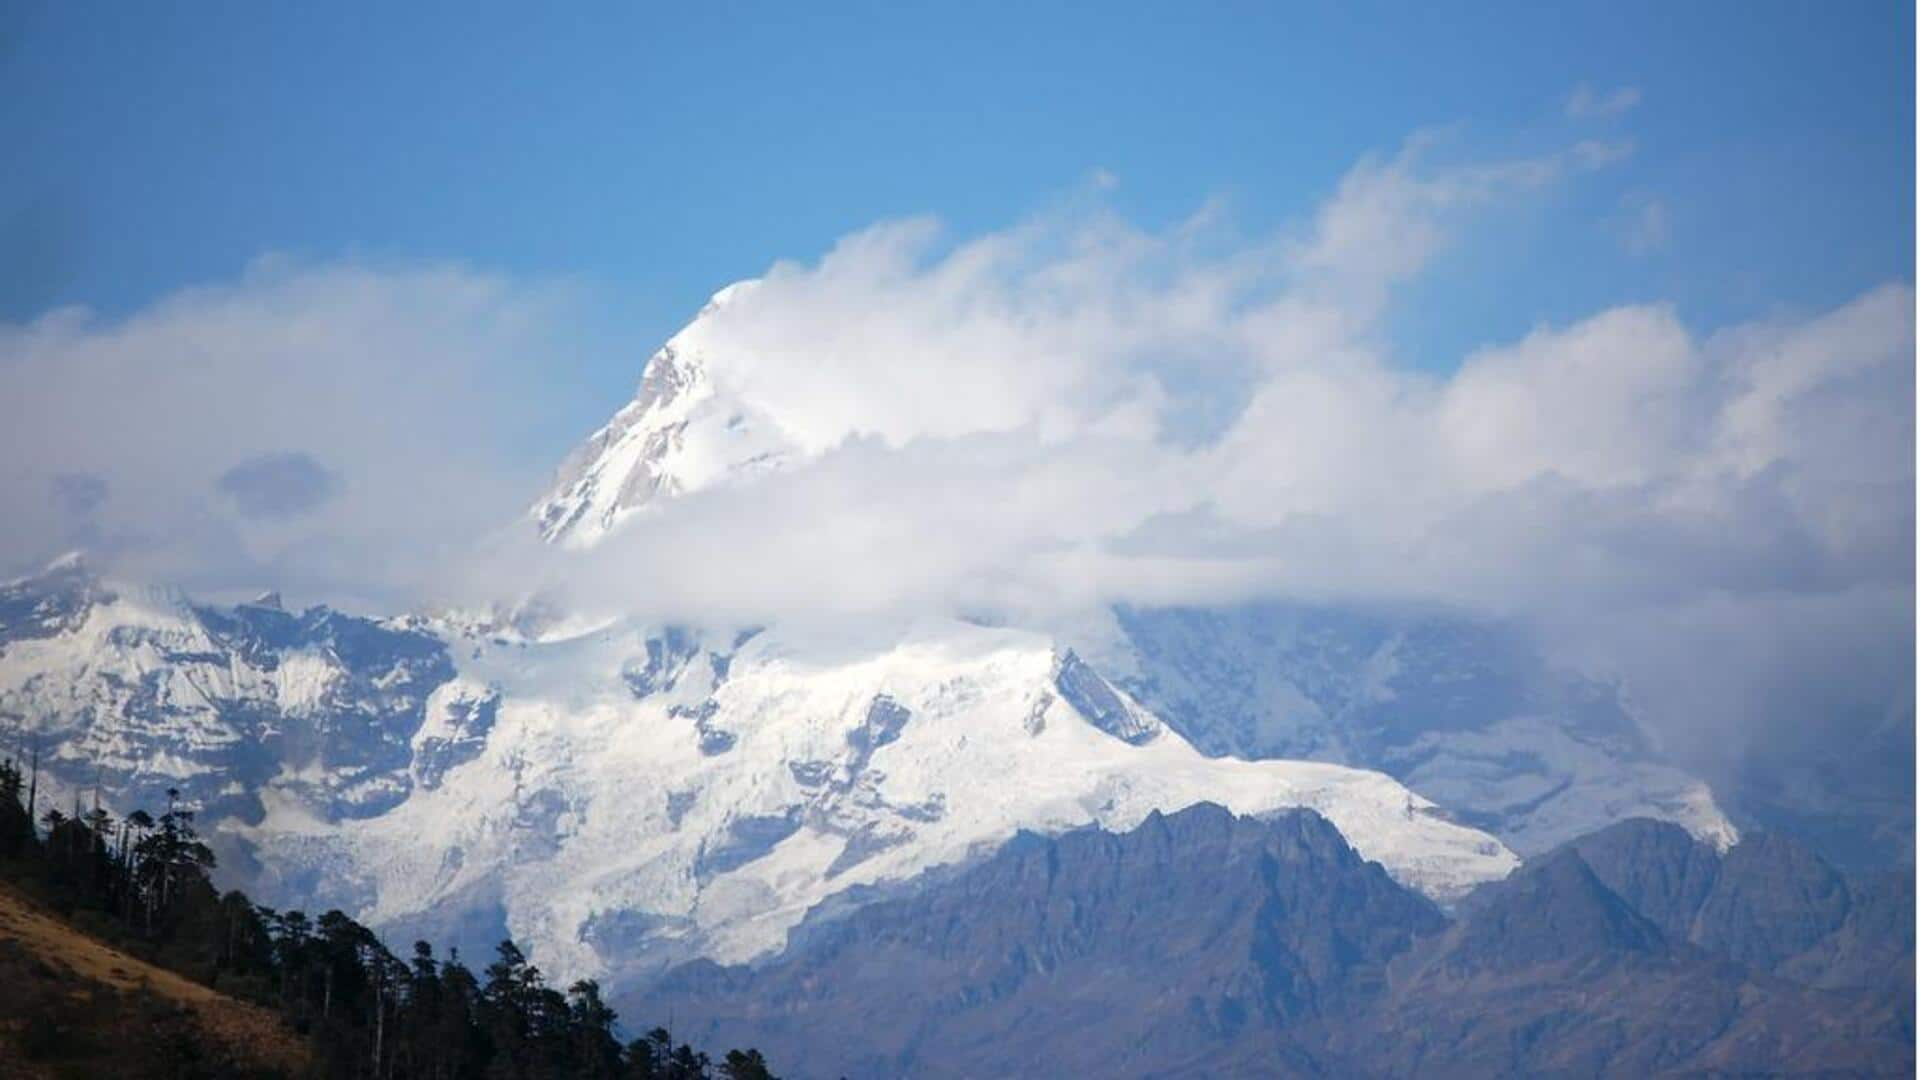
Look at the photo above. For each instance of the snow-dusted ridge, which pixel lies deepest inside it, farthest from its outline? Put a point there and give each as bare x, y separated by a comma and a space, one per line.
142, 689
628, 796
645, 797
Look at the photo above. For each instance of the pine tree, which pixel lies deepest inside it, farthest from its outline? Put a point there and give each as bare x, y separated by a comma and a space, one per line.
595, 1052
16, 827
746, 1065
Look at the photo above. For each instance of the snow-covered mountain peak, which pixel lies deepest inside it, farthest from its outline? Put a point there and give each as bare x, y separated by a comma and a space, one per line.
56, 600
682, 431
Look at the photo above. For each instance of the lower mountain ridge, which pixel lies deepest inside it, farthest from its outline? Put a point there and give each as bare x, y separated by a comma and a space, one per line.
1203, 943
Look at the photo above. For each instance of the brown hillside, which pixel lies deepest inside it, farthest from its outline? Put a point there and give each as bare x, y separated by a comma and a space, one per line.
73, 1006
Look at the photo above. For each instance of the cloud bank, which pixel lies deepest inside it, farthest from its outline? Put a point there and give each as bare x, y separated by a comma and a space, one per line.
1068, 413
161, 442
1076, 411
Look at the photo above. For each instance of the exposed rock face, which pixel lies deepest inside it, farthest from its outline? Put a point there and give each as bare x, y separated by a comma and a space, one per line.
1551, 973
1084, 689
1769, 903
1202, 944
1084, 952
1664, 873
1554, 911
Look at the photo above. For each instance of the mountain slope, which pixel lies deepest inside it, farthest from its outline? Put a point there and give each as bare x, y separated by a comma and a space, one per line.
139, 689
71, 1002
1553, 973
1770, 902
1201, 944
1100, 954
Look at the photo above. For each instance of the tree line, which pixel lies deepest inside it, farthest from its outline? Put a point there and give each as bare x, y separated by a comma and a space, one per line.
143, 882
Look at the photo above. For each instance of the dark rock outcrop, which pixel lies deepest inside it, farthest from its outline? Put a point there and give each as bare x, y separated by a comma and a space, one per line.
1770, 903
1552, 973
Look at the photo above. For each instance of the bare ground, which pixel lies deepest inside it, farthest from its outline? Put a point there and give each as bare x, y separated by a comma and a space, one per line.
71, 1005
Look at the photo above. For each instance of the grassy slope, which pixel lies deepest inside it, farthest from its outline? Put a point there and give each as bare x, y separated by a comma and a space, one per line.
71, 1005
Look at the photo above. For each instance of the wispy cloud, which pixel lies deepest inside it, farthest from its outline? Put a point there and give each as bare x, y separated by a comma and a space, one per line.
1585, 103
1645, 226
409, 390
1390, 216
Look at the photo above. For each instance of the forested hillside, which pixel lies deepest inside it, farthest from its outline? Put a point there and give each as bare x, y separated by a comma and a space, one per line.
117, 954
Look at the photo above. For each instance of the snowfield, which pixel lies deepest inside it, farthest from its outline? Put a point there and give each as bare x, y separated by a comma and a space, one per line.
626, 815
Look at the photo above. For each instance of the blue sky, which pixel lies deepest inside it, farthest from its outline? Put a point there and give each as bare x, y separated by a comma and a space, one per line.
658, 151
1489, 374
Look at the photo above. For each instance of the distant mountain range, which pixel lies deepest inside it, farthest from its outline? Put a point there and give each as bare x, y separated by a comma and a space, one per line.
1203, 943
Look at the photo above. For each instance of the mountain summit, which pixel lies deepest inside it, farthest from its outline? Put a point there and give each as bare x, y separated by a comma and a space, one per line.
682, 431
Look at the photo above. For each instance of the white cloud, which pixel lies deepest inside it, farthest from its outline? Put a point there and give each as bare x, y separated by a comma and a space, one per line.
1585, 103
890, 337
997, 427
991, 426
410, 390
1388, 218
1070, 412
